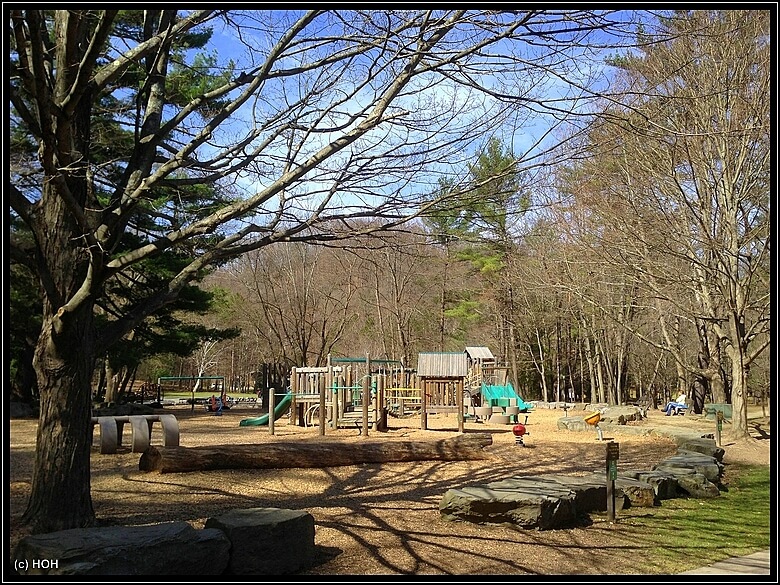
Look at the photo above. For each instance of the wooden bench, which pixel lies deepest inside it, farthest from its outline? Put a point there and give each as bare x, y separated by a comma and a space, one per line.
111, 428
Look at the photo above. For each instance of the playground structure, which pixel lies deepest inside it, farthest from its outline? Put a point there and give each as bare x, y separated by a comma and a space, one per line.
346, 392
483, 368
442, 385
363, 392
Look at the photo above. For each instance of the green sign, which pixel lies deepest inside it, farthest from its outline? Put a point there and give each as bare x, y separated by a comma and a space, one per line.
613, 469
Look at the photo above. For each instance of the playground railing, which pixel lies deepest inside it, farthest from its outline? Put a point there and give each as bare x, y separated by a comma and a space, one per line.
408, 395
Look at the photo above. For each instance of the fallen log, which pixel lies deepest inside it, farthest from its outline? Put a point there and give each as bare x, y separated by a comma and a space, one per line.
288, 454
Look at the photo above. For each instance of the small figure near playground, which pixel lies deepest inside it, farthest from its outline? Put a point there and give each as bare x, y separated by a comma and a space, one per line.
219, 406
676, 407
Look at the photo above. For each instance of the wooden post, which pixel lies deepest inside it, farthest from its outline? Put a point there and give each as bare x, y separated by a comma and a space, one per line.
347, 390
459, 388
267, 384
381, 407
718, 427
374, 401
613, 454
342, 398
271, 407
321, 387
423, 404
334, 397
366, 395
294, 390
329, 393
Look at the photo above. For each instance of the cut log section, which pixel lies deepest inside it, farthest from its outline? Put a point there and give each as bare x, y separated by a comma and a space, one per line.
467, 447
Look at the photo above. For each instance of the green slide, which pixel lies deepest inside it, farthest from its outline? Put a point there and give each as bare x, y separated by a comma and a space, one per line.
494, 395
280, 409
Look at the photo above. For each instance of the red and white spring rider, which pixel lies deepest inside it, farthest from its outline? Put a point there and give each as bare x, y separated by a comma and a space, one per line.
519, 430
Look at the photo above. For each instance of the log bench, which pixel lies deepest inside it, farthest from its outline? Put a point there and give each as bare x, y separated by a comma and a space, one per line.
111, 428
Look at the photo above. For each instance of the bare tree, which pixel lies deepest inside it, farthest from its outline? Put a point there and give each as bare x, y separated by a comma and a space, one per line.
205, 357
397, 289
682, 188
298, 299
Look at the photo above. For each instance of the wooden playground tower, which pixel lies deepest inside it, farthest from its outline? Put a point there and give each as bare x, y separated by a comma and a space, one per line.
359, 392
483, 367
343, 393
348, 391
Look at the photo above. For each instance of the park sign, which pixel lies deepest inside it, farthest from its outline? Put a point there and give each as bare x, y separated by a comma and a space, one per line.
613, 454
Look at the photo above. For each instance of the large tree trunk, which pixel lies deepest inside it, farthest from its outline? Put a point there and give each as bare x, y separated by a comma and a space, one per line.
280, 455
736, 352
710, 363
698, 394
69, 264
64, 360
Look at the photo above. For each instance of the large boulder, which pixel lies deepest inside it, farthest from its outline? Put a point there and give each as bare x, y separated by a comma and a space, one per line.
526, 503
697, 474
541, 501
590, 492
664, 485
625, 429
704, 446
629, 491
574, 423
621, 414
267, 541
708, 466
173, 548
697, 485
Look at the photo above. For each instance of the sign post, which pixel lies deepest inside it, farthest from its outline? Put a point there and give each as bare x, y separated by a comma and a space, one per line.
718, 426
613, 454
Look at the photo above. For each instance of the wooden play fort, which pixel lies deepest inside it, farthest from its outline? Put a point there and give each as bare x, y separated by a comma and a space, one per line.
363, 392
